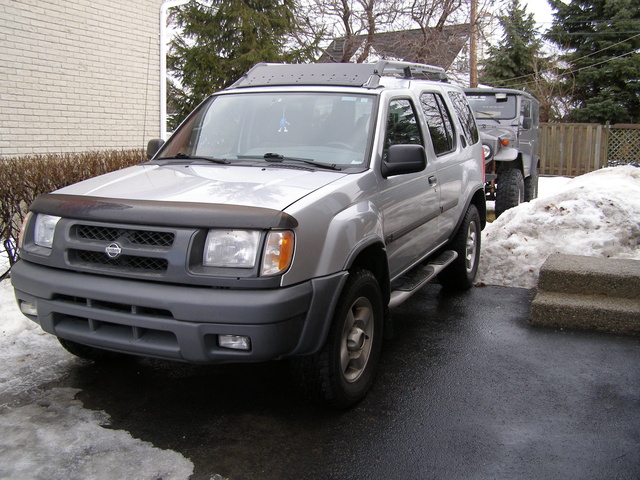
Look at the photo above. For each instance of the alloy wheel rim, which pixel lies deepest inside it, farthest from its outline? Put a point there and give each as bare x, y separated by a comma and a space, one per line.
471, 247
356, 339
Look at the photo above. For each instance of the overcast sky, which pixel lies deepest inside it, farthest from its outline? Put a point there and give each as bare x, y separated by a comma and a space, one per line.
541, 11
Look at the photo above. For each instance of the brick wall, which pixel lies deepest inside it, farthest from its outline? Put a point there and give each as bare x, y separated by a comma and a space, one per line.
78, 75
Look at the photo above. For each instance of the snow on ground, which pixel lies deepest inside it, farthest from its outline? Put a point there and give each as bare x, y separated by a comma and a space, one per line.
55, 438
47, 434
596, 215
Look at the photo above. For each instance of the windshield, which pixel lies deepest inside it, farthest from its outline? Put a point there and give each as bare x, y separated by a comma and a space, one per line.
323, 128
501, 106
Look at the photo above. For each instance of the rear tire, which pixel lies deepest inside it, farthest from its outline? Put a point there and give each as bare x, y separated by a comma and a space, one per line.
342, 372
461, 273
510, 190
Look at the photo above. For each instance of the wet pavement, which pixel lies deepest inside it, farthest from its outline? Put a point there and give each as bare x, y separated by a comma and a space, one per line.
466, 390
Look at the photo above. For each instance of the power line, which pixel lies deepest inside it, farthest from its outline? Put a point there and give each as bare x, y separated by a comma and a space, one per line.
506, 83
532, 75
590, 34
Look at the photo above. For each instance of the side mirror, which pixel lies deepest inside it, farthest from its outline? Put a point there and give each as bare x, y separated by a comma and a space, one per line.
526, 123
403, 159
153, 146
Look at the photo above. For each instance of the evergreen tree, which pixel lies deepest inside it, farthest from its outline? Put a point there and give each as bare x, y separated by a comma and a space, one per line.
220, 40
516, 60
602, 39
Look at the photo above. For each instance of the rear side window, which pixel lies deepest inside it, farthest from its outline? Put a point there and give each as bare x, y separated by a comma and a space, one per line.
402, 124
462, 108
439, 121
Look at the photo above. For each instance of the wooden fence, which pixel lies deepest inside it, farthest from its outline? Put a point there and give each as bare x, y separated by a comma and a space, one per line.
572, 149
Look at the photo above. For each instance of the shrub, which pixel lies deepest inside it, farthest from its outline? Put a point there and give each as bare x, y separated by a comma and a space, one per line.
26, 177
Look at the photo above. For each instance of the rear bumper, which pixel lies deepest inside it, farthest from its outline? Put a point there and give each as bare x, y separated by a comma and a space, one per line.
175, 321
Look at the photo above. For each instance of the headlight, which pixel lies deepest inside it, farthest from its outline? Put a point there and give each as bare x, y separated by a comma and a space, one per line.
231, 248
487, 151
278, 252
44, 229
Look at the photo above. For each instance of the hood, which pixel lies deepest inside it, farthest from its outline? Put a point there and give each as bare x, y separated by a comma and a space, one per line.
264, 186
497, 129
493, 133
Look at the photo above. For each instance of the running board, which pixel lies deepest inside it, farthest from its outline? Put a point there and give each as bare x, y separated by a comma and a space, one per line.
414, 280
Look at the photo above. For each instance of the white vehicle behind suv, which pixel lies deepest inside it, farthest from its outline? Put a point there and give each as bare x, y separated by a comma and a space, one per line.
284, 218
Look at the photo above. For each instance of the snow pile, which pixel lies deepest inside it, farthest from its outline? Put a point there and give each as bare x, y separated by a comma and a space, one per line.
597, 215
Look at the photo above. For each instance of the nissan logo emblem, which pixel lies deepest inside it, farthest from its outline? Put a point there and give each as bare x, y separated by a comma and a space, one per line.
113, 250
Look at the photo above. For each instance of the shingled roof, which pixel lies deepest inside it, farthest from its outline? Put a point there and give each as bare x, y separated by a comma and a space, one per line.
439, 48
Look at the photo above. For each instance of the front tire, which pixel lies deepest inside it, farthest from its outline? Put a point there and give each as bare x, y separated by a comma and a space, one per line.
510, 191
343, 371
84, 351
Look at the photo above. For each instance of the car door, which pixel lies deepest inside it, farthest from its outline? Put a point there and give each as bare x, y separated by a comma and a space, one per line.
409, 202
453, 169
443, 135
528, 134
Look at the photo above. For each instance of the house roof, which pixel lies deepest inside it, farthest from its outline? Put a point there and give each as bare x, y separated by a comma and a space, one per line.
439, 48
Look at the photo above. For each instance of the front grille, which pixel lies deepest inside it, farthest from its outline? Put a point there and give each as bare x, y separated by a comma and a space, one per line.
68, 300
135, 237
118, 336
137, 264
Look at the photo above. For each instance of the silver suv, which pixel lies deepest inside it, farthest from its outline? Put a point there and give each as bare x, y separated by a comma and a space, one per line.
508, 121
284, 218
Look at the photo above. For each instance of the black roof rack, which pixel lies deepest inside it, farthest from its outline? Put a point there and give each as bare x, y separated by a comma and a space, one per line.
340, 74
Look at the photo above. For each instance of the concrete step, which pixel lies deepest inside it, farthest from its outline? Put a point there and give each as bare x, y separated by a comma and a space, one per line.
591, 275
586, 312
588, 293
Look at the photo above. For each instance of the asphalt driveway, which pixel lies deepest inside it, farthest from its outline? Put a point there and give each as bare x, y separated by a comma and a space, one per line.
466, 390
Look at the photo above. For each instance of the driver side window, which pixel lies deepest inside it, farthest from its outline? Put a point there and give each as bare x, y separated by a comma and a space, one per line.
402, 124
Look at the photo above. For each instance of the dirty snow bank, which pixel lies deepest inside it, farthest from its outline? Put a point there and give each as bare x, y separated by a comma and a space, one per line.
55, 438
597, 214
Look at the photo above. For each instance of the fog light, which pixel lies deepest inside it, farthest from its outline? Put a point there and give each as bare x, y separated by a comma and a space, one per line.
236, 342
28, 309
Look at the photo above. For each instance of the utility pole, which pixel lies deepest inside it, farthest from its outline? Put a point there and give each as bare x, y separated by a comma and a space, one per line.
473, 45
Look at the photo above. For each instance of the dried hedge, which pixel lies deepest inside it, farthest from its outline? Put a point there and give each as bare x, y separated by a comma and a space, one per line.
26, 177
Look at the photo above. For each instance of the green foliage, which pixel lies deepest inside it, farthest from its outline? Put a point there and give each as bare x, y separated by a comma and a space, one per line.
516, 60
602, 39
26, 177
221, 40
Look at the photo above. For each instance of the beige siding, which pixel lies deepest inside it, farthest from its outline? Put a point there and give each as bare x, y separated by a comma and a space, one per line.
78, 75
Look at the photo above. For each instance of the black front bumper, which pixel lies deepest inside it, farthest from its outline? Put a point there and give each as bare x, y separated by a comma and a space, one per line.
178, 322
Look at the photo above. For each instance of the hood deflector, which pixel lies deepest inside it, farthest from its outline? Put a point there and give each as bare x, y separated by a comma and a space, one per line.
158, 213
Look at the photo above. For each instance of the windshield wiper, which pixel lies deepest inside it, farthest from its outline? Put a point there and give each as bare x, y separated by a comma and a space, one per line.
487, 116
184, 156
276, 157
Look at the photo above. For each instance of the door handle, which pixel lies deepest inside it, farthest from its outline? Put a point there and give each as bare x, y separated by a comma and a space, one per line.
433, 180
